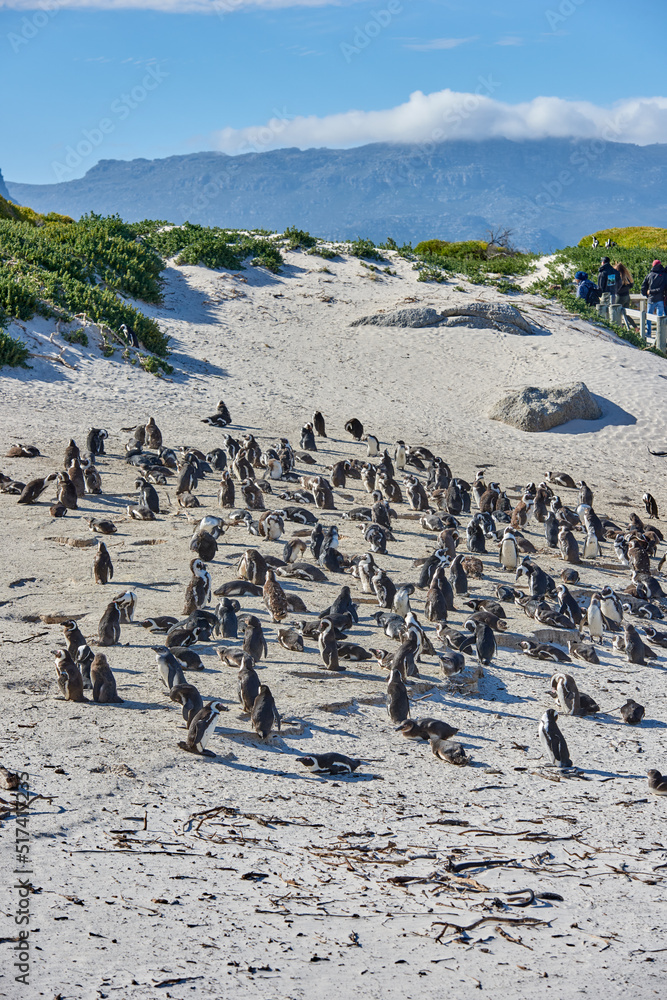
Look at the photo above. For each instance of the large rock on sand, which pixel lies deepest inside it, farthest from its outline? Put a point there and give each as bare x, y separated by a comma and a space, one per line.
533, 409
475, 315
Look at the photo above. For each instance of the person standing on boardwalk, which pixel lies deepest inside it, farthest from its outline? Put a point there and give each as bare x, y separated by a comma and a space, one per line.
608, 279
624, 283
654, 287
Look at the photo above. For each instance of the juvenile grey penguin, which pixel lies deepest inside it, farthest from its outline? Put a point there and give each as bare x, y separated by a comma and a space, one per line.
102, 565
448, 750
152, 435
398, 703
485, 643
275, 598
248, 683
254, 641
264, 715
190, 700
552, 740
327, 645
104, 682
70, 680
66, 492
201, 729
632, 712
567, 693
108, 630
568, 545
657, 784
228, 624
635, 649
198, 591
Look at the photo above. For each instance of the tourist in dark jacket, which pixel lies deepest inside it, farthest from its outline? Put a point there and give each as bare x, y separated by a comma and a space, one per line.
607, 279
624, 283
653, 287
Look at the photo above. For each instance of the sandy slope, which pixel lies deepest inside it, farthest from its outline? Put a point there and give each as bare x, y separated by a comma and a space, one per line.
300, 885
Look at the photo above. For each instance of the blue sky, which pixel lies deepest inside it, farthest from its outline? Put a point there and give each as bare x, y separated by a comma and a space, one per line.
160, 77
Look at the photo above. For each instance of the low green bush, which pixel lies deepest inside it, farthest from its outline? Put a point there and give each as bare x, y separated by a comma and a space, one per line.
13, 352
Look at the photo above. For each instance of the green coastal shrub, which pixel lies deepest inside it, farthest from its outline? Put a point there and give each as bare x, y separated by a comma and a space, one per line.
13, 352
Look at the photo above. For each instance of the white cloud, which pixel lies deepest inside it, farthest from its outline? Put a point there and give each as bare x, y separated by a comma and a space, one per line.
451, 115
219, 7
440, 43
510, 40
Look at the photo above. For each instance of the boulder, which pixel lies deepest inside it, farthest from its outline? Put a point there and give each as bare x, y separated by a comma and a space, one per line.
412, 318
475, 315
533, 409
493, 315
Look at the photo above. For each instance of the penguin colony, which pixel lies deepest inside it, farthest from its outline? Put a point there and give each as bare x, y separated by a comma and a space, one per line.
271, 504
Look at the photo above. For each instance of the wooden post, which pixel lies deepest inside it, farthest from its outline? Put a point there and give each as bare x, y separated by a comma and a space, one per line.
642, 319
661, 333
615, 313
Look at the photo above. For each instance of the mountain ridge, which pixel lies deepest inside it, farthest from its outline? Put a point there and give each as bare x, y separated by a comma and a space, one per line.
547, 191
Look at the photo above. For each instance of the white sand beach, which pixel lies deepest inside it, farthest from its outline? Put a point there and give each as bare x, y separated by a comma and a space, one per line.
161, 874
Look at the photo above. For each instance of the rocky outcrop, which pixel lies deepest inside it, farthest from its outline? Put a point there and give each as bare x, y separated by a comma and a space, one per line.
533, 409
476, 315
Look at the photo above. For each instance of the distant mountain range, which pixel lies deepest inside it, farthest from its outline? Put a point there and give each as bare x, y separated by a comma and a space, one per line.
4, 193
550, 192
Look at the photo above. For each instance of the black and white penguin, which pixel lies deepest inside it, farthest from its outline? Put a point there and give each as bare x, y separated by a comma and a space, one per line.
651, 505
102, 565
104, 682
508, 555
248, 683
327, 645
190, 700
372, 445
264, 715
355, 428
329, 763
398, 703
400, 455
201, 729
342, 604
475, 535
198, 591
318, 424
221, 417
95, 440
552, 740
170, 670
384, 588
401, 605
635, 648
566, 692
33, 490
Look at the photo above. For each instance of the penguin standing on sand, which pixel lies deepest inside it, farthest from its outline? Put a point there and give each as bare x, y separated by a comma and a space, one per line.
485, 642
190, 700
327, 645
552, 740
70, 681
248, 683
398, 703
264, 714
102, 565
198, 592
508, 555
104, 682
201, 729
108, 630
318, 424
307, 441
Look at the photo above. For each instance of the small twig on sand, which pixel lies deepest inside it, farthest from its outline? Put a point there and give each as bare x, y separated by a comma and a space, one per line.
527, 921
